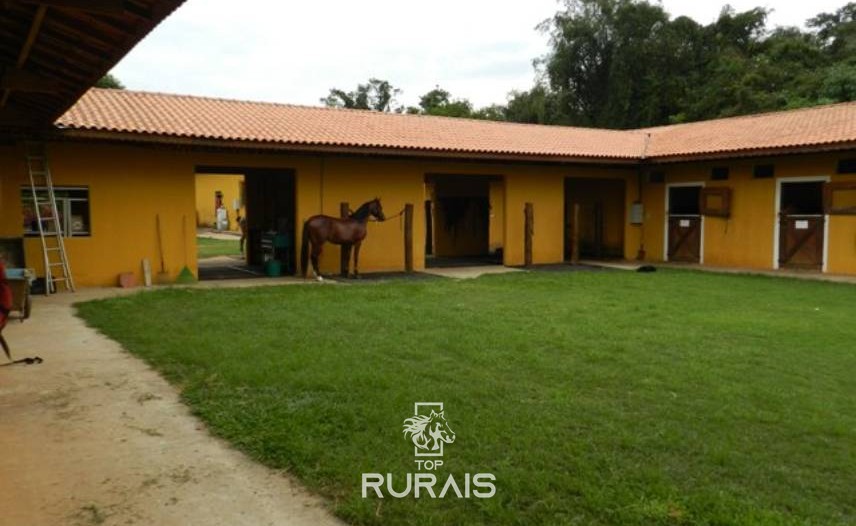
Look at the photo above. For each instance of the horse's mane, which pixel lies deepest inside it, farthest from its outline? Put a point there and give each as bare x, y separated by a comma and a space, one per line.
416, 425
362, 212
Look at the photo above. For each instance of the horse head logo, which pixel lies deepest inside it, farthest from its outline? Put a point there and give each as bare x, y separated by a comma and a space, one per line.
429, 432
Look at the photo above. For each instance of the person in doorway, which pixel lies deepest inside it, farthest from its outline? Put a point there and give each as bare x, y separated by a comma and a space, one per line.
242, 224
5, 307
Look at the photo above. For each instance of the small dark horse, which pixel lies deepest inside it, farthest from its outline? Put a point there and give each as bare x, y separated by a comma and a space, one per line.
349, 232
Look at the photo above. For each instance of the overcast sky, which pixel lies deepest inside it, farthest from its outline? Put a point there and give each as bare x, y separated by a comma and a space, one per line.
295, 52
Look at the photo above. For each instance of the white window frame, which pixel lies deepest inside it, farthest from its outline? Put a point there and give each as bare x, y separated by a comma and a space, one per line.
64, 207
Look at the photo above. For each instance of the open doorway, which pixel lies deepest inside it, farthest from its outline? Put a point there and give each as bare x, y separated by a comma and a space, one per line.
684, 223
802, 224
600, 232
464, 220
251, 235
220, 211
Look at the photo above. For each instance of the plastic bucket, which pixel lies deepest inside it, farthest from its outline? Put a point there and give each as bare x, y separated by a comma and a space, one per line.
273, 268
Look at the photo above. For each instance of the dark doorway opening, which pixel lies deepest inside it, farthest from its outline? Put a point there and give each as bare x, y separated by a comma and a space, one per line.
802, 198
684, 200
601, 218
463, 220
268, 227
802, 225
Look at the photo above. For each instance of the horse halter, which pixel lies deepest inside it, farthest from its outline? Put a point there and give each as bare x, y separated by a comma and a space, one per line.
378, 212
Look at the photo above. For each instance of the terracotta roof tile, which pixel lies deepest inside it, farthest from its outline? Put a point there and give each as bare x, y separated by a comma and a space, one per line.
193, 117
818, 126
210, 118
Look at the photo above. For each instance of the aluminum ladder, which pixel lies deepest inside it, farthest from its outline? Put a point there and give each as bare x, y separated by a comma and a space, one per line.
57, 269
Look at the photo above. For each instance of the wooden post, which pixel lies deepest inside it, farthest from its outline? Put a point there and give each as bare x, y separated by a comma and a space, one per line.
345, 258
575, 235
529, 233
408, 237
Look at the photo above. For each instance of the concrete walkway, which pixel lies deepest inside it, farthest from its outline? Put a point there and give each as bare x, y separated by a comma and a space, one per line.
94, 436
469, 272
223, 235
783, 273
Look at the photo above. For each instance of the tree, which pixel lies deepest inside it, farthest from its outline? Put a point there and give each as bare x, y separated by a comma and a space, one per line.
627, 64
494, 112
837, 32
536, 106
377, 95
439, 102
608, 63
109, 81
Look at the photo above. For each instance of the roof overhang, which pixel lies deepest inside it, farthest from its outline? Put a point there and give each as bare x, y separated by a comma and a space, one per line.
315, 149
754, 153
170, 141
52, 51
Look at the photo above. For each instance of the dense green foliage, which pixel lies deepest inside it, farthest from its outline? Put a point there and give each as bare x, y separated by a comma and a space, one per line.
109, 81
629, 64
594, 397
376, 94
440, 102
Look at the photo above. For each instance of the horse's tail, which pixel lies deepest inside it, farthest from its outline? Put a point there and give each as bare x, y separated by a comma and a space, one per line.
304, 249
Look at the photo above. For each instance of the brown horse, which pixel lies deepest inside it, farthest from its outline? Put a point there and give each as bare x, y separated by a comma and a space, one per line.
348, 233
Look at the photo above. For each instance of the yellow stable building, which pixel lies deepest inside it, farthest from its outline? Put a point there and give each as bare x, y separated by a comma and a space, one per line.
136, 173
691, 193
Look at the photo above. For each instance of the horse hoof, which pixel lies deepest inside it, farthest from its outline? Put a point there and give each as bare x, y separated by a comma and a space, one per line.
319, 279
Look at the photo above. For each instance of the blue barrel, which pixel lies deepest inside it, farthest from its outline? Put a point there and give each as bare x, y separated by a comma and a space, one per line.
273, 268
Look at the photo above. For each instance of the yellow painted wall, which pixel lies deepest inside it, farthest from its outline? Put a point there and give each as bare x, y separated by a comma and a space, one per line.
130, 184
127, 187
746, 239
206, 187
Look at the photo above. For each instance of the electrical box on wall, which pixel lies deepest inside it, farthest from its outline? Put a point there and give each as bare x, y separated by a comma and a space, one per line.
637, 213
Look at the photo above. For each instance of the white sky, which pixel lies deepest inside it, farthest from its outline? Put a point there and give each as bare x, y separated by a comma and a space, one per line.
284, 51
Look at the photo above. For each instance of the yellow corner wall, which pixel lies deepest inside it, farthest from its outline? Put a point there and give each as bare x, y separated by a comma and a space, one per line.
127, 188
206, 187
746, 239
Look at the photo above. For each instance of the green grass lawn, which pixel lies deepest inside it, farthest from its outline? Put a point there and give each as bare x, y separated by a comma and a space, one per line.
209, 248
595, 398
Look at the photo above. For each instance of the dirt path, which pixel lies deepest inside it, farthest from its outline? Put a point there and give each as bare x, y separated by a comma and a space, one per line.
93, 436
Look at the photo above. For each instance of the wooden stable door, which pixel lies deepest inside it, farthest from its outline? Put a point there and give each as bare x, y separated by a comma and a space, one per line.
685, 239
801, 241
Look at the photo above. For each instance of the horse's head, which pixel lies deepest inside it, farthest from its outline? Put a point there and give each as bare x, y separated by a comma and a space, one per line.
439, 429
428, 431
376, 209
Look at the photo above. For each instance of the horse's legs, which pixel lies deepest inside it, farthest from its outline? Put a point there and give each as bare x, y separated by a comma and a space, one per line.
346, 255
5, 347
316, 251
357, 259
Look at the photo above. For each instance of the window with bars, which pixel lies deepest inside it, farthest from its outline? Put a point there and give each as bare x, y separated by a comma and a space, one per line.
72, 204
